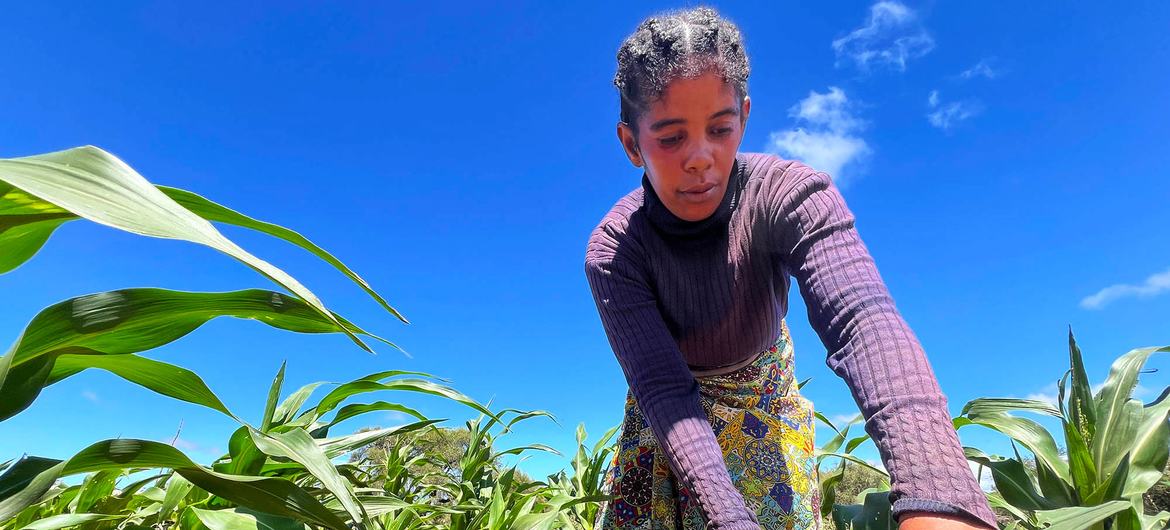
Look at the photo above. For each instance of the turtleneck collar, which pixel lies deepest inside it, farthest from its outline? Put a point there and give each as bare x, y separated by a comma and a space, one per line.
666, 222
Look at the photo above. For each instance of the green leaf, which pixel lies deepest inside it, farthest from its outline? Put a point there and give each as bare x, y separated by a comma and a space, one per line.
1112, 487
605, 439
69, 520
335, 447
532, 447
820, 416
1012, 480
20, 243
131, 321
26, 222
1027, 432
356, 409
297, 445
339, 394
95, 488
236, 519
163, 378
997, 501
291, 404
854, 442
1078, 517
838, 439
177, 489
852, 458
273, 396
96, 185
1149, 452
246, 458
872, 514
265, 494
218, 213
1135, 519
19, 475
997, 405
1081, 411
828, 486
1117, 424
1080, 461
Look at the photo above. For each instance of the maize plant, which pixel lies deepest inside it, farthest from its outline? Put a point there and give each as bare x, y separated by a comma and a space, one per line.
870, 510
584, 486
1116, 448
280, 471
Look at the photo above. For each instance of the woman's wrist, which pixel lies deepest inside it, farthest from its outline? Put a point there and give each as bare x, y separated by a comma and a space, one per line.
934, 521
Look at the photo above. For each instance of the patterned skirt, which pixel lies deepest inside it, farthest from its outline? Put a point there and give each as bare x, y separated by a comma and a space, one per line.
765, 429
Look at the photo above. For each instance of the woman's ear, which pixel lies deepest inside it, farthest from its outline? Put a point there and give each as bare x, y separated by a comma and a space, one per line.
629, 140
744, 111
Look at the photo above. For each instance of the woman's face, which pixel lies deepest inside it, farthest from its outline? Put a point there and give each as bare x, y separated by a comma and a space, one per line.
687, 141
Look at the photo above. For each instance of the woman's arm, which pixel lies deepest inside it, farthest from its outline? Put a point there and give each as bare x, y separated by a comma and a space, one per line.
872, 349
660, 380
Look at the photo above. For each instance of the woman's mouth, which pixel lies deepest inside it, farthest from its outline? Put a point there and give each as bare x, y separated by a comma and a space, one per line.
700, 193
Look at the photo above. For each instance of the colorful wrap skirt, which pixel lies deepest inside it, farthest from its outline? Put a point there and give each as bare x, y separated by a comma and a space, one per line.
765, 429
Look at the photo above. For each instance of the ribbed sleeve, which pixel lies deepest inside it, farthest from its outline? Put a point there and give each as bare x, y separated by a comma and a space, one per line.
661, 382
872, 349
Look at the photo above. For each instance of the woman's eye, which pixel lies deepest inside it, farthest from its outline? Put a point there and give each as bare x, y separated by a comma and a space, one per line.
722, 131
670, 140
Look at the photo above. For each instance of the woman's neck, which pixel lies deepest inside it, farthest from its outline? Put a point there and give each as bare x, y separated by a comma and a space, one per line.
673, 226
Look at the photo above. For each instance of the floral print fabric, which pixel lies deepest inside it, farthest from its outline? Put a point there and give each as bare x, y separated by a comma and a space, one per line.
765, 429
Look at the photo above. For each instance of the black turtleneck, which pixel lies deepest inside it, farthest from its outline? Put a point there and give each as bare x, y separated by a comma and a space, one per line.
671, 225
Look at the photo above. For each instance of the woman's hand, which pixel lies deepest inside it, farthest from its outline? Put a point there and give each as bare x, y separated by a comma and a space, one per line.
934, 521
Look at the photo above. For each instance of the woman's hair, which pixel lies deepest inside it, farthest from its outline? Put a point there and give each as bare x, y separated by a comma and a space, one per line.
677, 44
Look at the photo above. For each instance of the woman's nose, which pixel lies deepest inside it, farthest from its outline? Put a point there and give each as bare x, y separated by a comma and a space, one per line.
700, 160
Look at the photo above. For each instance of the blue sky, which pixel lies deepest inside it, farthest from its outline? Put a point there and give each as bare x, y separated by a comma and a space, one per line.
1007, 164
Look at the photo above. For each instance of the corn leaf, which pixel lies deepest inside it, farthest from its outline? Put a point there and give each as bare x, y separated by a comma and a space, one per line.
218, 213
69, 520
1148, 451
273, 396
1078, 517
265, 494
130, 321
1116, 423
236, 519
996, 405
1081, 410
297, 445
1027, 432
96, 185
1012, 480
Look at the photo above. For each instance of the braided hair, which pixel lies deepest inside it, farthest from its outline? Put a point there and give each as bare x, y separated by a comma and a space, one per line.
677, 44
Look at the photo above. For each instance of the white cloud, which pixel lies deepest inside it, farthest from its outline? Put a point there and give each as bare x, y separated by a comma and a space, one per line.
1047, 397
982, 68
829, 140
890, 37
986, 482
841, 420
189, 446
947, 115
1154, 285
90, 395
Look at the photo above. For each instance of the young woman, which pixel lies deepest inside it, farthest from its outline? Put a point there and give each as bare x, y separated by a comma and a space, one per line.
690, 273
